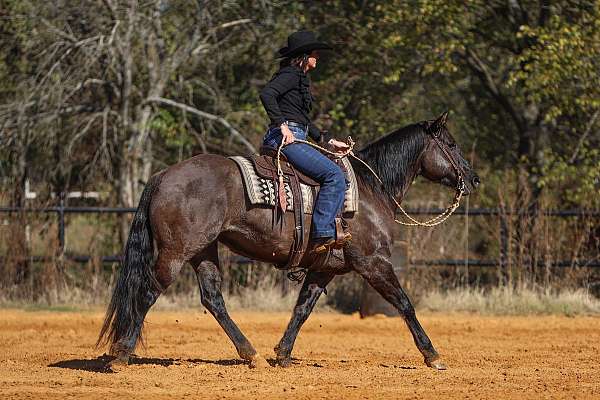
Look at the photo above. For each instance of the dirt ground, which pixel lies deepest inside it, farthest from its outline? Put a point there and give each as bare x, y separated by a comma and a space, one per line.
50, 355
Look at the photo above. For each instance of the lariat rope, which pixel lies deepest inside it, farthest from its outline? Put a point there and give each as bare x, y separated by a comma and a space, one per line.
413, 222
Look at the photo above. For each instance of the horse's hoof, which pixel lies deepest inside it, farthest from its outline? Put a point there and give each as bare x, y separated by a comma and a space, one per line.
257, 361
118, 364
284, 362
436, 364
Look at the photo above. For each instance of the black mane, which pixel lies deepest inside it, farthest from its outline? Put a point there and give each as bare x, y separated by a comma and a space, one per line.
391, 156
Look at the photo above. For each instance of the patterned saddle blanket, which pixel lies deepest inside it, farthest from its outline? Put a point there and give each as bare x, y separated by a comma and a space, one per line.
262, 191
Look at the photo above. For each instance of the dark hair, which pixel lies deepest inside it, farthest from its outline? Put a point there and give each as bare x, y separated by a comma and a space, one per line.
390, 157
295, 61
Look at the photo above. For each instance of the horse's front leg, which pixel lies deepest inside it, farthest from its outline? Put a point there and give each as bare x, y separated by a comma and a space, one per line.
314, 284
379, 272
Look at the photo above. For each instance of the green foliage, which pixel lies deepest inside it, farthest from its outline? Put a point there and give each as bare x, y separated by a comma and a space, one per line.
561, 68
578, 182
520, 78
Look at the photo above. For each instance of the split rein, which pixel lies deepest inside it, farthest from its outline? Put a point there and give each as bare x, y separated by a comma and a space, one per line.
460, 188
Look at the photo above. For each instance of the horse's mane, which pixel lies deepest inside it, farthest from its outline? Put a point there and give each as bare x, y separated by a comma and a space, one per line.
390, 157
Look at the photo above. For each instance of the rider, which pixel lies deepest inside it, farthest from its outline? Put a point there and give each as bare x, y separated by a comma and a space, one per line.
288, 101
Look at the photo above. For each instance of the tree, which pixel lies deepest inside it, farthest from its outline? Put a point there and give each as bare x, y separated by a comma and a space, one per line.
95, 76
535, 63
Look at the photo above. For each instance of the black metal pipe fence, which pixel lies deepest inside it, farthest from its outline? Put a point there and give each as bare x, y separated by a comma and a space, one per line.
61, 210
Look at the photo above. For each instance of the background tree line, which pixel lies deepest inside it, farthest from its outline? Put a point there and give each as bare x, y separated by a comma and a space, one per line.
100, 94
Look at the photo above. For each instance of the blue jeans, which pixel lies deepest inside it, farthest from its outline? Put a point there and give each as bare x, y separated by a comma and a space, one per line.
312, 163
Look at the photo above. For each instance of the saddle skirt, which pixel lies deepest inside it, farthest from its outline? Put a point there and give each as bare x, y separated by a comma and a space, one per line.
262, 190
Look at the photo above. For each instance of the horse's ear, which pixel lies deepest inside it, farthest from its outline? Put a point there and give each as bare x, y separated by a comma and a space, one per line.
434, 127
440, 122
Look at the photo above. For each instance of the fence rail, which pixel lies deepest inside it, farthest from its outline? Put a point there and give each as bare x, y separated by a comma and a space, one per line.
417, 211
61, 210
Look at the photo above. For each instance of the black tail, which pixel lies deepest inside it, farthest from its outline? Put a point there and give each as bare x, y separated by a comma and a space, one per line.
136, 287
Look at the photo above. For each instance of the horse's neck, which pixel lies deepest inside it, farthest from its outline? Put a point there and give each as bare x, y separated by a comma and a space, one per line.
409, 178
406, 179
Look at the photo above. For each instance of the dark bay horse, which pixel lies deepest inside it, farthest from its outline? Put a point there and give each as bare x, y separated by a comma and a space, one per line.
190, 207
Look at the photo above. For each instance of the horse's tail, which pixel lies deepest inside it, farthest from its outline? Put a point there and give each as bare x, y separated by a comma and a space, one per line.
136, 287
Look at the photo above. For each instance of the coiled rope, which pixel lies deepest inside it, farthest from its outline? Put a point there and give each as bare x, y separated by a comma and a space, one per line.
413, 222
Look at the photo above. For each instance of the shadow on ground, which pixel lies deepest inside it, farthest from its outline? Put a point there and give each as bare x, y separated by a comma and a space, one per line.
101, 363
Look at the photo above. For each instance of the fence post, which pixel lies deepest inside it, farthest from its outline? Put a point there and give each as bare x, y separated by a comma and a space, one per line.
504, 273
285, 284
61, 225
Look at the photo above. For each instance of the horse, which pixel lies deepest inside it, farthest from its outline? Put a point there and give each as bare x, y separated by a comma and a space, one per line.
188, 208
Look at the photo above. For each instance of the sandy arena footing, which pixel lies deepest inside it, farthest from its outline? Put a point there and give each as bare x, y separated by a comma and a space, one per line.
51, 355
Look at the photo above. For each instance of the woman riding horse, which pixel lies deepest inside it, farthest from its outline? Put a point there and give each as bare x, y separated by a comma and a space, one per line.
188, 209
288, 101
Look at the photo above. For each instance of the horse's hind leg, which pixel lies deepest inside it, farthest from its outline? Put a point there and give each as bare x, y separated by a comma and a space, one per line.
208, 273
166, 269
379, 273
314, 284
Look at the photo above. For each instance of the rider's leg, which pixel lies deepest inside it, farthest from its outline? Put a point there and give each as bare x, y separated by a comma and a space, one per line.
314, 164
333, 185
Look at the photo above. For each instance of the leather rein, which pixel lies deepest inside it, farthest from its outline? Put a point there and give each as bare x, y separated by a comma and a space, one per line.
460, 184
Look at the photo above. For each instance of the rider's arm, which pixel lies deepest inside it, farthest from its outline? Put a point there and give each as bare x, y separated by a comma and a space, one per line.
273, 90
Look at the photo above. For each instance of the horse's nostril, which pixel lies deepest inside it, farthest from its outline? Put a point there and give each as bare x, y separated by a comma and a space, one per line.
475, 181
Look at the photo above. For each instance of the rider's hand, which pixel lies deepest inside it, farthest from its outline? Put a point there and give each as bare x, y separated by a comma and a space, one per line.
288, 136
338, 147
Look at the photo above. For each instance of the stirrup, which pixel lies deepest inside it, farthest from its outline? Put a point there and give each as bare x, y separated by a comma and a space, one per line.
323, 247
339, 244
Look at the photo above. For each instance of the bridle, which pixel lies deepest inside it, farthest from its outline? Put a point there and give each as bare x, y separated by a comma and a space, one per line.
460, 190
460, 182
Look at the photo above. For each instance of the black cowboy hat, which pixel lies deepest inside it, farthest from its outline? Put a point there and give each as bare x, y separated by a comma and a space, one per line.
302, 42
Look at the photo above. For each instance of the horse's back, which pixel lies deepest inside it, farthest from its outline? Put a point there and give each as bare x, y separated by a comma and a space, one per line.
195, 196
201, 169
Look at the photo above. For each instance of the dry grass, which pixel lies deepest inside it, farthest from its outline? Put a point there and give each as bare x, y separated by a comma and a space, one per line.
269, 297
264, 298
504, 301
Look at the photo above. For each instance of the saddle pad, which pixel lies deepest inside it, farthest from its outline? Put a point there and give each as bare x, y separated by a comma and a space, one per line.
262, 191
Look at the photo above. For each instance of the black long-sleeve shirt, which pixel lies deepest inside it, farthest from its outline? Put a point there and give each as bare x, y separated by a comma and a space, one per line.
287, 97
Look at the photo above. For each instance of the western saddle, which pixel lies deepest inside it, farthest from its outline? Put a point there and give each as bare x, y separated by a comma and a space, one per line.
266, 167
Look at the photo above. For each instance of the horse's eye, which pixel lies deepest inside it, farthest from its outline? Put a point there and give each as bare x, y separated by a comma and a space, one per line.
452, 145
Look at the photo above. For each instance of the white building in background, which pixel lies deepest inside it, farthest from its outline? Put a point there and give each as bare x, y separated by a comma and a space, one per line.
70, 195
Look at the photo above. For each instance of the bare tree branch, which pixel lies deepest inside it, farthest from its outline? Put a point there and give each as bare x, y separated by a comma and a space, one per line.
233, 23
587, 131
479, 68
206, 115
